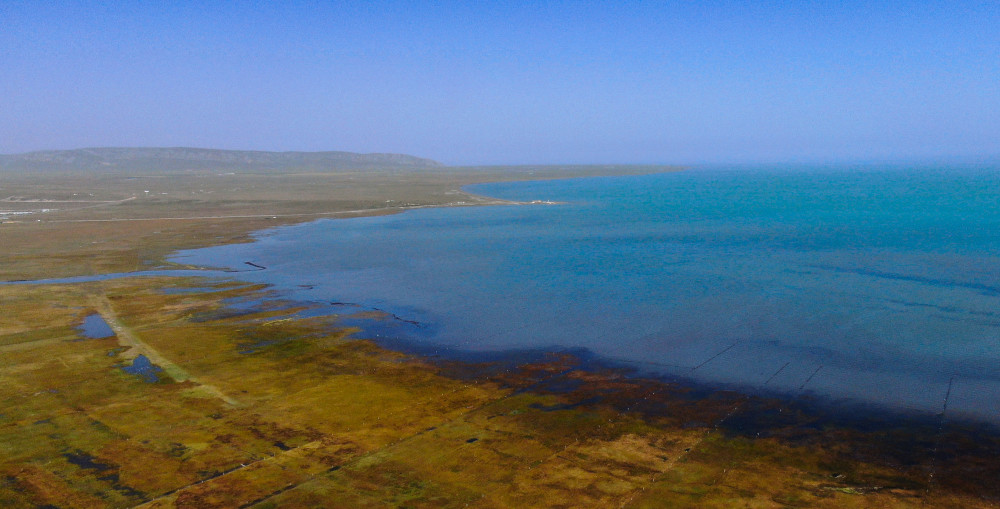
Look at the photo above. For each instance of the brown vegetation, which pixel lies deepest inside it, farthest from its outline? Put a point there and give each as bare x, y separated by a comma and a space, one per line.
252, 409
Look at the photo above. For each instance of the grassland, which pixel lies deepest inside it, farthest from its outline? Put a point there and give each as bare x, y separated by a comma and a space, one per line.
252, 407
93, 222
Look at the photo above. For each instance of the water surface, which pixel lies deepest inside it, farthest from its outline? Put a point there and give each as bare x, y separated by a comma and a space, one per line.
94, 327
877, 285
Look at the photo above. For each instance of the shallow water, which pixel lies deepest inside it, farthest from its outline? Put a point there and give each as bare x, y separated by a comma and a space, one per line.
143, 368
94, 327
866, 284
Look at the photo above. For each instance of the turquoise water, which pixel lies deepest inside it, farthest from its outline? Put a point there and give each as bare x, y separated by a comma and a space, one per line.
872, 285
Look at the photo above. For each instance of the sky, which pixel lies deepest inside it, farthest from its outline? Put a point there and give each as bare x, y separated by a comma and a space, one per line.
509, 82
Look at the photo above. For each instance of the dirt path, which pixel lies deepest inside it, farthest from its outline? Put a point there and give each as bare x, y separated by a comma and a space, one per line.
126, 337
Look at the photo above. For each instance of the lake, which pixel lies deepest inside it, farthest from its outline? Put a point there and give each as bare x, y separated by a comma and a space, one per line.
877, 285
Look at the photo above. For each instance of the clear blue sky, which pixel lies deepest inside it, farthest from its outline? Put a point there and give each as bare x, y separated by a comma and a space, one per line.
508, 82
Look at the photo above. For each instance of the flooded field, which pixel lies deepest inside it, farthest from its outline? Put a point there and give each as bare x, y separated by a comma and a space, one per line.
196, 403
876, 286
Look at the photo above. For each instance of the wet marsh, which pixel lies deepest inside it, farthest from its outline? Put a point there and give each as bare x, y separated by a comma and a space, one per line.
263, 402
324, 417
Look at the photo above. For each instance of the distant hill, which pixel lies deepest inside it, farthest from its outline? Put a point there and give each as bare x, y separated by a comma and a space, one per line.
181, 158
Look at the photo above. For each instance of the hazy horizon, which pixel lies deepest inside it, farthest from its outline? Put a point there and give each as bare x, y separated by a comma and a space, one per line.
510, 83
959, 161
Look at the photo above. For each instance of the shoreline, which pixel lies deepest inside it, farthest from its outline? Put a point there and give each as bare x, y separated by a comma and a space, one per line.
578, 397
887, 401
484, 202
674, 438
134, 230
827, 402
835, 408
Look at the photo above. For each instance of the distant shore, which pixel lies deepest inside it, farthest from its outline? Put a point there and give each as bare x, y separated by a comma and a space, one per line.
255, 403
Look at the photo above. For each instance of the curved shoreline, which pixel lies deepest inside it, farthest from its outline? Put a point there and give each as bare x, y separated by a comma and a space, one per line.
745, 440
632, 363
834, 408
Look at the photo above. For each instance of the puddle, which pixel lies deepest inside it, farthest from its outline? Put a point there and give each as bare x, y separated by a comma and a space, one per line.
94, 327
143, 368
85, 461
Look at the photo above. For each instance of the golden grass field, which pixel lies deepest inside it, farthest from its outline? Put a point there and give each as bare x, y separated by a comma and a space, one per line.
250, 408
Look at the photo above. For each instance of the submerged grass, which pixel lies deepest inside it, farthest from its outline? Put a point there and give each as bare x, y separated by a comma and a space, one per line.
253, 409
317, 417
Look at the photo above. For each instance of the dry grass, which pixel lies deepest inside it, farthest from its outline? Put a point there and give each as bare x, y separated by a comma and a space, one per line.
251, 409
122, 227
